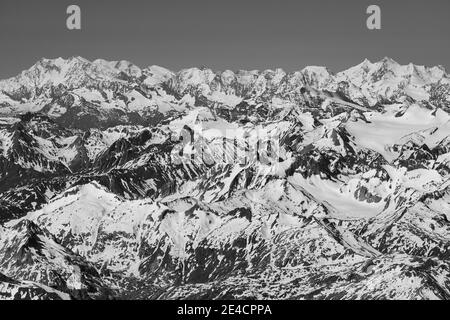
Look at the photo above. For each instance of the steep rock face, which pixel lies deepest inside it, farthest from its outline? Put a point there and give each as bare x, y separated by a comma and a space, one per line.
11, 289
31, 254
117, 181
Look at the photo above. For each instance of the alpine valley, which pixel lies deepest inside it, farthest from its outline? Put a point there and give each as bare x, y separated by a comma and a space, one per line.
95, 204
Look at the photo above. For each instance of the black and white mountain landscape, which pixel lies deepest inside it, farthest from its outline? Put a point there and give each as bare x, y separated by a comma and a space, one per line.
118, 182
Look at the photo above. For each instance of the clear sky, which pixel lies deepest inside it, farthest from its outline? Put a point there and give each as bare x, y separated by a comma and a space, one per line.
225, 34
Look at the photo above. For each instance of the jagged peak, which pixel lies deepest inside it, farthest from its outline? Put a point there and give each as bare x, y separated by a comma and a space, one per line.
129, 67
60, 60
118, 64
156, 70
317, 71
388, 60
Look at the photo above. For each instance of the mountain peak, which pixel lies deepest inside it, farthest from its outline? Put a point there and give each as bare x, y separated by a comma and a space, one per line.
59, 62
390, 61
117, 67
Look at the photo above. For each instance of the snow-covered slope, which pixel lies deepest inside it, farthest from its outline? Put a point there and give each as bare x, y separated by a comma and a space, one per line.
117, 181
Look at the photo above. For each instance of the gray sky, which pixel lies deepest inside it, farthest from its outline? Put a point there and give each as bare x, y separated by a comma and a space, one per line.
225, 34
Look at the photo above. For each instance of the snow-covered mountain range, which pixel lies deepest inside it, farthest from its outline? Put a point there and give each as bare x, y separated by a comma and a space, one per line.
122, 182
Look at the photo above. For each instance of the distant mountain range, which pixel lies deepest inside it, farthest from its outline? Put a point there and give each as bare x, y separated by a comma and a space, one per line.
122, 182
